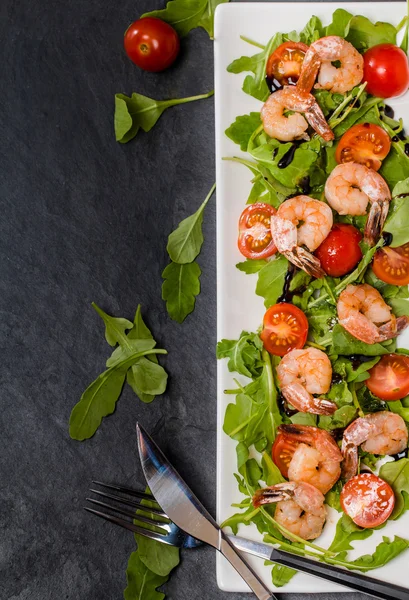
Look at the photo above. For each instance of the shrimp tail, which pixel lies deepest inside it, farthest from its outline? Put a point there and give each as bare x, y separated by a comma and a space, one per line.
306, 261
303, 401
309, 71
375, 222
316, 119
350, 462
274, 493
392, 329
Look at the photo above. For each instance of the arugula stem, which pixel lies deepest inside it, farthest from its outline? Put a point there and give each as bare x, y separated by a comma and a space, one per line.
314, 345
242, 425
253, 136
334, 121
271, 386
252, 514
189, 99
252, 42
251, 165
356, 401
402, 23
329, 290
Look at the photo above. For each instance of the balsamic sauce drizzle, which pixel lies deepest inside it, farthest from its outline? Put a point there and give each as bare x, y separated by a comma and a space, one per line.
287, 296
288, 157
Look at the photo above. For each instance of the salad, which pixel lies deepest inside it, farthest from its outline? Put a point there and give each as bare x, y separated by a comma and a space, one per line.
322, 420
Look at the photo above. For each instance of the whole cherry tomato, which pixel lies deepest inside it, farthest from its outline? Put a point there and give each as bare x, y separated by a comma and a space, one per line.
339, 253
386, 70
151, 44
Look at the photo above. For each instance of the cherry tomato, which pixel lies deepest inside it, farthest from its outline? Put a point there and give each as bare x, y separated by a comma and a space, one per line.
284, 65
366, 143
389, 378
255, 239
151, 44
368, 500
339, 253
285, 327
282, 452
386, 70
391, 265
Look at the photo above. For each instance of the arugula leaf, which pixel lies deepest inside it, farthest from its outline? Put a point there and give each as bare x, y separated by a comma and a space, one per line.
360, 31
312, 31
344, 343
100, 398
400, 408
242, 129
115, 327
271, 473
368, 402
251, 266
255, 84
136, 112
398, 216
395, 167
271, 280
238, 519
340, 418
183, 15
346, 532
341, 20
142, 582
282, 575
244, 354
207, 20
180, 287
301, 418
384, 553
396, 473
344, 367
185, 242
332, 498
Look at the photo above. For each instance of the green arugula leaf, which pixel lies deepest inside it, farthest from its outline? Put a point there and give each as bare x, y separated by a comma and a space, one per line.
396, 473
369, 402
142, 583
400, 306
271, 280
332, 498
346, 532
282, 575
183, 15
360, 31
398, 216
395, 167
312, 31
180, 287
207, 20
185, 243
115, 327
384, 553
344, 367
136, 112
251, 266
340, 418
341, 20
244, 354
238, 519
100, 398
242, 129
344, 343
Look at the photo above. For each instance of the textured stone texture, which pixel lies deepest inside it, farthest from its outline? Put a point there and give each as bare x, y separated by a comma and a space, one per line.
83, 219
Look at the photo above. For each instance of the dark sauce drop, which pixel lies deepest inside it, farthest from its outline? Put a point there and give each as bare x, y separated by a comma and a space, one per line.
304, 185
400, 455
275, 151
407, 149
272, 84
337, 433
336, 378
288, 157
402, 196
402, 135
358, 359
389, 112
388, 237
287, 296
395, 138
285, 407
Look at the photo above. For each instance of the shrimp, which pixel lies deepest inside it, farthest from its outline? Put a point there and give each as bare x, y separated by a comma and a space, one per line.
293, 127
300, 507
377, 433
336, 79
301, 221
349, 189
317, 458
364, 314
302, 373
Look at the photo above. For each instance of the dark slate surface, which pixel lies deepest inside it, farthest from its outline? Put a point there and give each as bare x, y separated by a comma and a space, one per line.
84, 218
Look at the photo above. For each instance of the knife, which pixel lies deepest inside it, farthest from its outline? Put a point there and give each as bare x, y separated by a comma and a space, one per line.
184, 509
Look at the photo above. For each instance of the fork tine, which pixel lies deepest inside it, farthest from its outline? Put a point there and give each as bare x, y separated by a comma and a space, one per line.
126, 490
137, 505
130, 526
128, 513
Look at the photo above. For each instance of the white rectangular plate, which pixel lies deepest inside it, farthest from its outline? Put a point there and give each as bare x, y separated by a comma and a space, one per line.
238, 306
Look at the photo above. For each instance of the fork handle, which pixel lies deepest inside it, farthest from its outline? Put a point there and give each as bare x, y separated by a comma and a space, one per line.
352, 579
244, 569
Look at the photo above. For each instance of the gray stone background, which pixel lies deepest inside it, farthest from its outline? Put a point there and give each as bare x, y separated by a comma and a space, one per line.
85, 219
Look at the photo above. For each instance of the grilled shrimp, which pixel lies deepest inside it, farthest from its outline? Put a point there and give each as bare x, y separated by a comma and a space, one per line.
301, 221
378, 433
349, 189
364, 314
317, 458
336, 79
300, 507
302, 373
293, 127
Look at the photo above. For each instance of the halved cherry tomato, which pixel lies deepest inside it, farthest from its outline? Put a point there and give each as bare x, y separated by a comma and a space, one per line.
389, 378
391, 265
285, 328
368, 500
255, 239
339, 253
282, 452
151, 44
284, 64
386, 70
365, 143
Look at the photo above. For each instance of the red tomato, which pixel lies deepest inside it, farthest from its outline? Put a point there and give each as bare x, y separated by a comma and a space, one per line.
282, 451
365, 143
391, 265
151, 44
339, 253
255, 239
284, 64
386, 70
389, 378
285, 327
368, 500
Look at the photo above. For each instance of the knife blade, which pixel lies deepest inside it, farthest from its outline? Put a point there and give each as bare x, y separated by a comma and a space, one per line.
183, 508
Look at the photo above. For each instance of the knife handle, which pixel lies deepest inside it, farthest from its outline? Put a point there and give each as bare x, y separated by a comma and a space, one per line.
243, 569
352, 579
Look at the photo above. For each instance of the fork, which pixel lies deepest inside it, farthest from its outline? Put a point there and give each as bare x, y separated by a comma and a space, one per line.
166, 532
